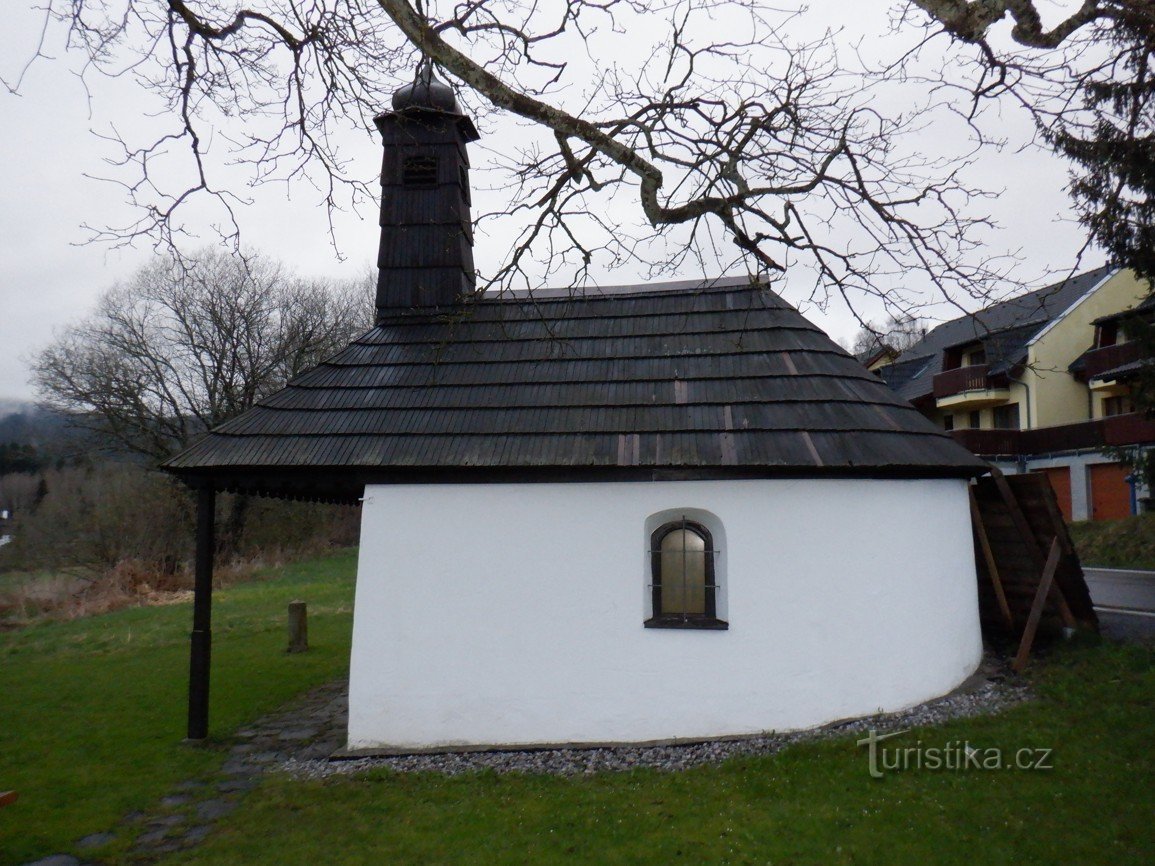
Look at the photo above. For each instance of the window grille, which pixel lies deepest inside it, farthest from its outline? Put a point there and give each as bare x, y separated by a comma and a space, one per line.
683, 587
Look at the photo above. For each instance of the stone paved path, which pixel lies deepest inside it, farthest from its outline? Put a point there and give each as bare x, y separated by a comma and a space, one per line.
310, 728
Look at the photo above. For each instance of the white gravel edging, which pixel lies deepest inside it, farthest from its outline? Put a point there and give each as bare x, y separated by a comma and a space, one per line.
991, 696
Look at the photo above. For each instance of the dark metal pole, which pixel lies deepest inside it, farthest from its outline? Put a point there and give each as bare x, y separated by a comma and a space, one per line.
201, 644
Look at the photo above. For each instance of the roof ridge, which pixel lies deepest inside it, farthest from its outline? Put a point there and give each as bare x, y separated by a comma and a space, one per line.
583, 338
543, 382
560, 358
932, 433
895, 404
464, 321
692, 286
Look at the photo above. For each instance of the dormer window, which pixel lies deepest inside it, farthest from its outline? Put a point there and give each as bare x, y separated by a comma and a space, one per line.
419, 171
974, 357
964, 356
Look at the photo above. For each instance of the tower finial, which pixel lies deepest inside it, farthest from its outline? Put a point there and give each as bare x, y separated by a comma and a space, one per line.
425, 91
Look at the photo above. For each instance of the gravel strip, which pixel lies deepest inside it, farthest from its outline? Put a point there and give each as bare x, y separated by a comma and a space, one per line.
991, 695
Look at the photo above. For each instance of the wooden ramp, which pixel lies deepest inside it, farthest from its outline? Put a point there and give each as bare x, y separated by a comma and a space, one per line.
1030, 578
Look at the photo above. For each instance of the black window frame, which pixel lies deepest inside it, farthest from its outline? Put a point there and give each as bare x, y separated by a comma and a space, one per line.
1118, 404
707, 620
999, 417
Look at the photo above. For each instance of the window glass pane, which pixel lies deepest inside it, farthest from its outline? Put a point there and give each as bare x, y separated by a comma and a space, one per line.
683, 564
1007, 417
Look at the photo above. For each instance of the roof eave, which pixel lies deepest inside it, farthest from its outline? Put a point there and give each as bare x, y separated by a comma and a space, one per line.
346, 484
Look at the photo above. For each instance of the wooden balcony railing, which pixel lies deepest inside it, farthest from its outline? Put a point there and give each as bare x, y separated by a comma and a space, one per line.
1130, 429
990, 443
973, 378
1098, 360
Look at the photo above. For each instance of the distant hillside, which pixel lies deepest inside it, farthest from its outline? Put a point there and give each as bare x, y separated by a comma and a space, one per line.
13, 407
32, 439
31, 426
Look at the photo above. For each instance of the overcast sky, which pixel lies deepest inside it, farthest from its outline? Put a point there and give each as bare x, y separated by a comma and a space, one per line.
49, 277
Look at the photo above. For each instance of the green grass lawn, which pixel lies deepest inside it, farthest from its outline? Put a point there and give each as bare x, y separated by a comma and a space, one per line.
1126, 543
94, 714
92, 711
813, 803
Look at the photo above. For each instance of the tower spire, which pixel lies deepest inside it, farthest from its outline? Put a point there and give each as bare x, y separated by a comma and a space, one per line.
426, 255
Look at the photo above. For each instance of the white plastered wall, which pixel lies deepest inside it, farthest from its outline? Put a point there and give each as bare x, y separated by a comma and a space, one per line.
512, 613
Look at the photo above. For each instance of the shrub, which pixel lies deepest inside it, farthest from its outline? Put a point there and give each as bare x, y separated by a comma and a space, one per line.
125, 532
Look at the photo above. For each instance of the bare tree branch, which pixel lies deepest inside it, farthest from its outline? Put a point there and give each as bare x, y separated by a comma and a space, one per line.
1085, 80
734, 145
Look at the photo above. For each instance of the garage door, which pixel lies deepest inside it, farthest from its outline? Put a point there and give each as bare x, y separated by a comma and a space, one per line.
1060, 478
1110, 494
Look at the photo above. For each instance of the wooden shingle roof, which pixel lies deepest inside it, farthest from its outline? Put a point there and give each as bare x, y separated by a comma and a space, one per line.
681, 380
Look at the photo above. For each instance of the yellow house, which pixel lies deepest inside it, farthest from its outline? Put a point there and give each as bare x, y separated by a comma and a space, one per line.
881, 357
1039, 383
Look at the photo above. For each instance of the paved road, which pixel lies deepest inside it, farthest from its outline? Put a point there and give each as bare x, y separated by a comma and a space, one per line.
1124, 600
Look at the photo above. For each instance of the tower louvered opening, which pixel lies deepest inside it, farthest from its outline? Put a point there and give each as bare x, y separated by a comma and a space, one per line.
419, 171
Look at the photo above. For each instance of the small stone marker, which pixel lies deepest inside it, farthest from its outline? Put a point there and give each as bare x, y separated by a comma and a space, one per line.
298, 627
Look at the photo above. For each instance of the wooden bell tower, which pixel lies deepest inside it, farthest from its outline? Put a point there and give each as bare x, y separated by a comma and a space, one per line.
425, 259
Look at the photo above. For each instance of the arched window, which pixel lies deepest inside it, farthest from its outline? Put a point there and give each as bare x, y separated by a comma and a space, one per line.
682, 566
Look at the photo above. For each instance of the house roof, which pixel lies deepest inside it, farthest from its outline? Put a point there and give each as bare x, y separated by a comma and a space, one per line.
678, 380
1145, 306
1124, 371
1005, 330
882, 353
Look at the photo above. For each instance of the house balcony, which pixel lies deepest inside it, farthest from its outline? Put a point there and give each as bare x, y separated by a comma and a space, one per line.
1098, 361
1131, 429
1109, 387
970, 388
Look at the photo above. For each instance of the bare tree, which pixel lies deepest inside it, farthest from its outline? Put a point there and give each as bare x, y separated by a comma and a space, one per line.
1088, 78
723, 134
898, 334
183, 346
972, 20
